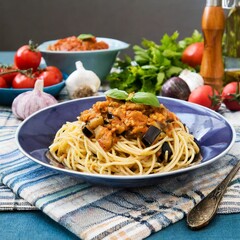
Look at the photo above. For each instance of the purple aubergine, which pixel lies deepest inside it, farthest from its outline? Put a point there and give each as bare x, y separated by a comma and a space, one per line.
176, 87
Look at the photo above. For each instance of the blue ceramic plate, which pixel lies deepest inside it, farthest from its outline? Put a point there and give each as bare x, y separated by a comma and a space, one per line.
214, 133
8, 94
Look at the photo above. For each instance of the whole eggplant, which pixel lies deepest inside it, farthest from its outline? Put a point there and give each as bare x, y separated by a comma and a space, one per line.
176, 87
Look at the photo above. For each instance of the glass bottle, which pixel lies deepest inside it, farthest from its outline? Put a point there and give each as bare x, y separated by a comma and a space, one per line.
232, 41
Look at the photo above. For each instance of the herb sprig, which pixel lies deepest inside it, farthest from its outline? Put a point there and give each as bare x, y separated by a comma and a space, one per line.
152, 65
145, 98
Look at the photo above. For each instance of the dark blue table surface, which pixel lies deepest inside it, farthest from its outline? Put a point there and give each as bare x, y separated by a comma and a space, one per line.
33, 225
29, 225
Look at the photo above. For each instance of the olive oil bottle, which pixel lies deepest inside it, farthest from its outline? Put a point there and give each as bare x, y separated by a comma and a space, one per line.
232, 41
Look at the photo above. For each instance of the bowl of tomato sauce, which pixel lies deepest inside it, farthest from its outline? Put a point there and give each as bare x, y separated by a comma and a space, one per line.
97, 54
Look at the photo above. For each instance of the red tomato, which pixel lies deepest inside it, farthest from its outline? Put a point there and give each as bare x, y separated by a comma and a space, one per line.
56, 70
205, 96
8, 74
231, 96
23, 81
27, 57
193, 54
3, 83
49, 78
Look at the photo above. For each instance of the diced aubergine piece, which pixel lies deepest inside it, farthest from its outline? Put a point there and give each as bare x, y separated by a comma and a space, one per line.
109, 116
150, 136
165, 147
88, 133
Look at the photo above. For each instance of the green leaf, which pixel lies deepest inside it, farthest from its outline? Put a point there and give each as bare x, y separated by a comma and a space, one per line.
160, 80
171, 54
156, 56
148, 44
145, 98
117, 94
85, 36
150, 67
196, 37
173, 71
141, 55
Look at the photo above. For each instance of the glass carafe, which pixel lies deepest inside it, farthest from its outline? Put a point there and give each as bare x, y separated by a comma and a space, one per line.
232, 34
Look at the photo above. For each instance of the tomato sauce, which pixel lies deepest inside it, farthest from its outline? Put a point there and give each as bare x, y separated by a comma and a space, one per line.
112, 118
74, 43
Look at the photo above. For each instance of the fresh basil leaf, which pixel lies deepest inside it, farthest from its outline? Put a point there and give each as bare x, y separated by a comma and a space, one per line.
85, 36
117, 94
145, 98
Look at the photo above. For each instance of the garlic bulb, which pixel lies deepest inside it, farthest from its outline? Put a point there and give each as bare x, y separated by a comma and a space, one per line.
31, 101
193, 80
82, 82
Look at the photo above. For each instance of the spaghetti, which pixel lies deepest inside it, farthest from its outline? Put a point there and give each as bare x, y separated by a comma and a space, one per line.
114, 142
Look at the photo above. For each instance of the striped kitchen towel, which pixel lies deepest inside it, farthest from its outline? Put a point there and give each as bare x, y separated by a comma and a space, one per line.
9, 201
93, 212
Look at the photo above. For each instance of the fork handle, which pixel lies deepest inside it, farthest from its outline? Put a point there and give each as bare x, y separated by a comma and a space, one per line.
206, 209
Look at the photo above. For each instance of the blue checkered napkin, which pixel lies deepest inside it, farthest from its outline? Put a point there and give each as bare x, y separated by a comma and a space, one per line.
93, 212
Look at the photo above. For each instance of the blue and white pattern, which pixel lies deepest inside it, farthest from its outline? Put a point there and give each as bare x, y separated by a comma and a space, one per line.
93, 212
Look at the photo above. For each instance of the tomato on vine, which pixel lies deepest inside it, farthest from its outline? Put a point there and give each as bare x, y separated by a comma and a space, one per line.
206, 96
8, 72
3, 83
49, 78
193, 54
23, 81
231, 96
56, 70
28, 57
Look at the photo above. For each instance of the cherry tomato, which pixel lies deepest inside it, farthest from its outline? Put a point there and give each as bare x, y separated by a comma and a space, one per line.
56, 70
231, 96
49, 78
23, 81
8, 75
3, 83
206, 96
27, 57
193, 54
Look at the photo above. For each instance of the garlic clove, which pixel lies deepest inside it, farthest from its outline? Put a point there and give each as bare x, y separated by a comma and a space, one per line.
82, 82
193, 79
29, 102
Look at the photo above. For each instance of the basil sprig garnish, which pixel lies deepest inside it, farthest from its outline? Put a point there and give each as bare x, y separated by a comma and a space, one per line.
84, 36
145, 98
117, 94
